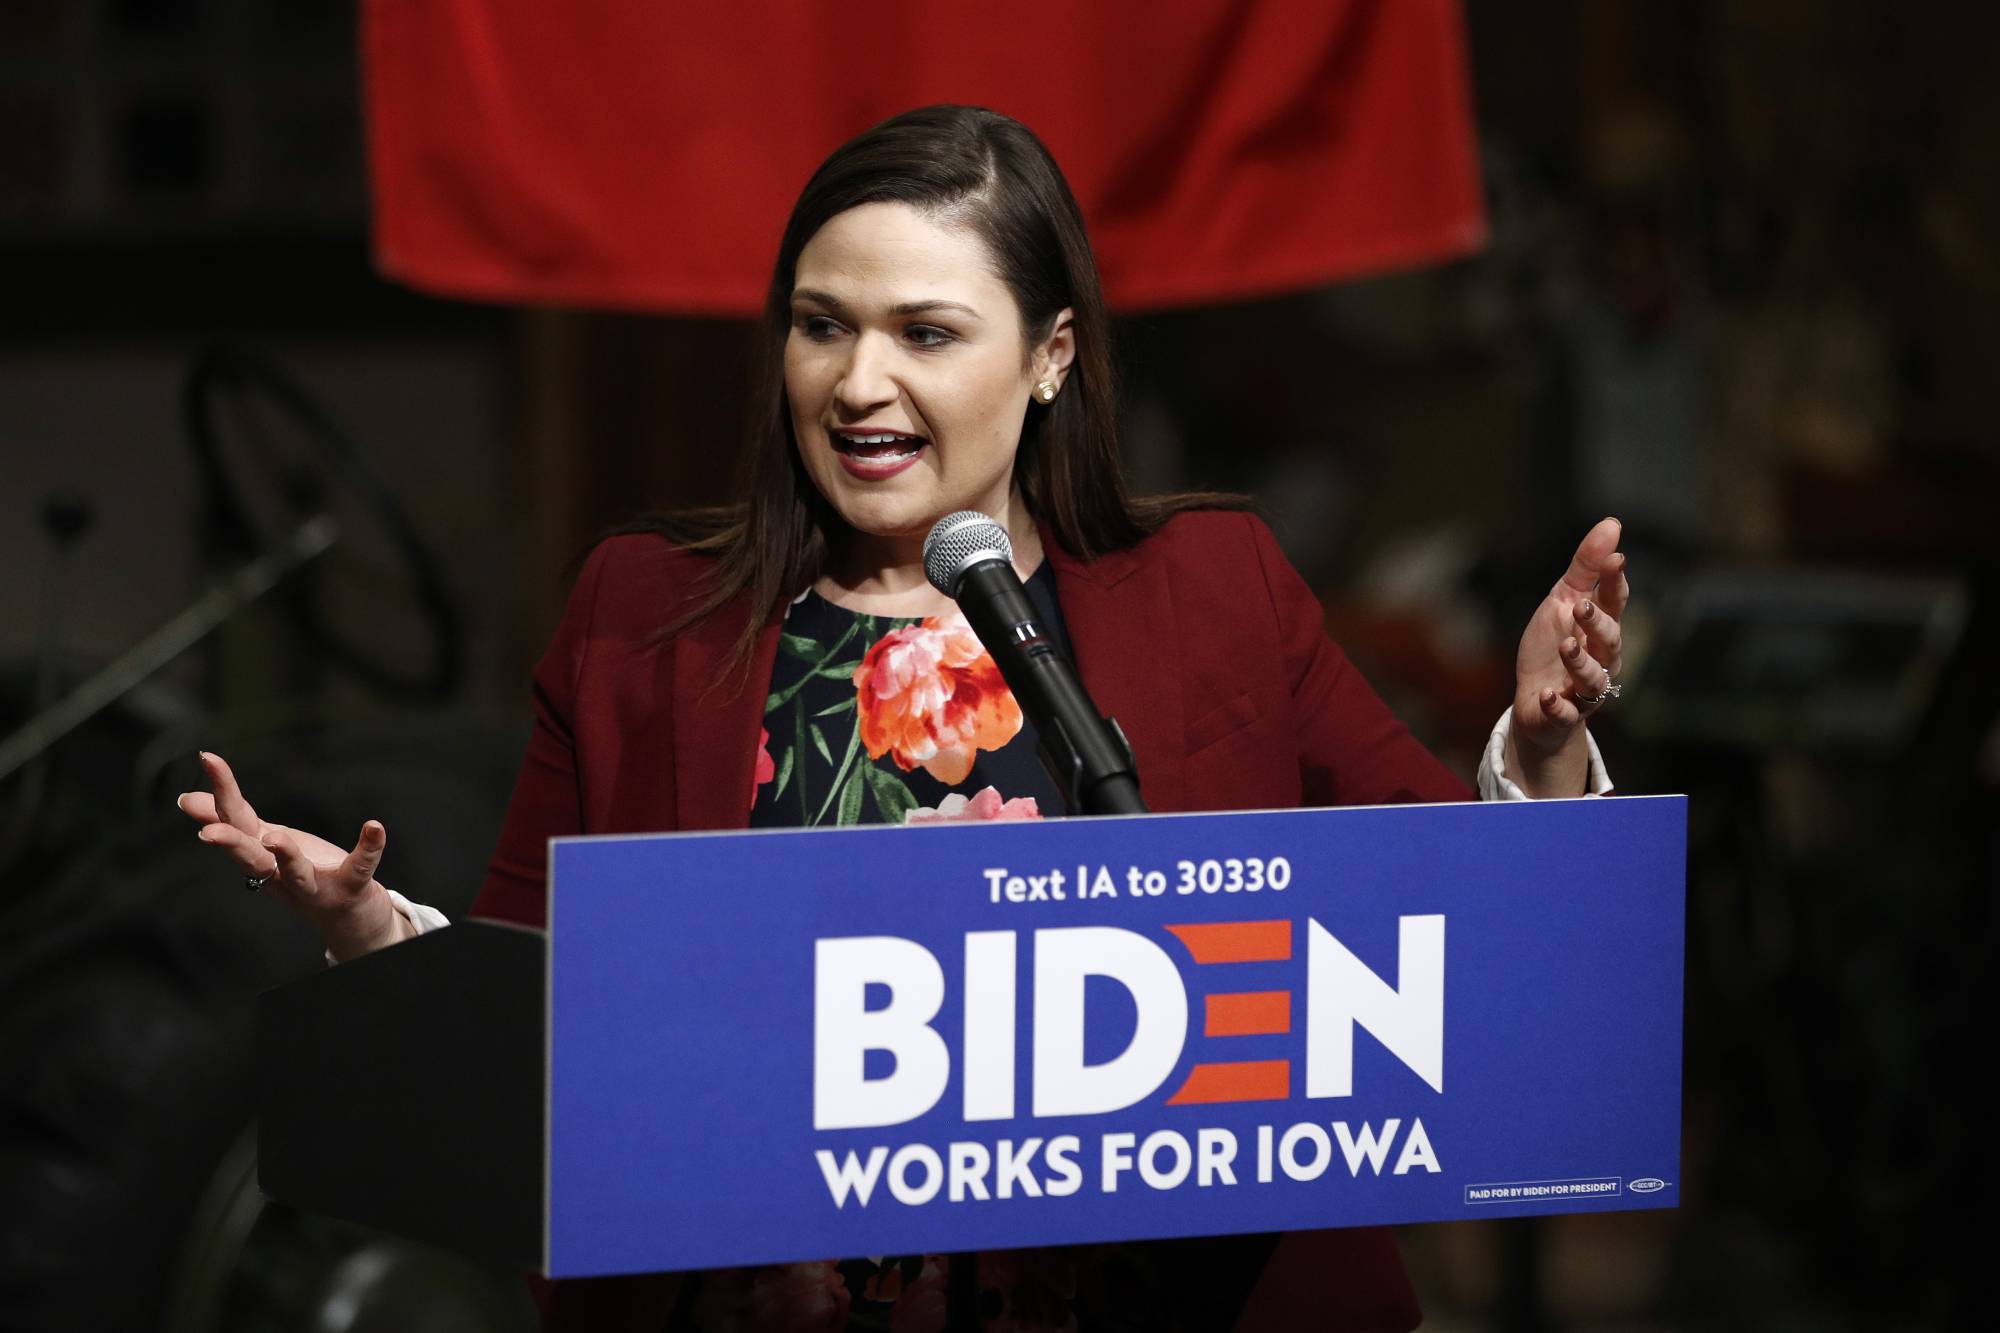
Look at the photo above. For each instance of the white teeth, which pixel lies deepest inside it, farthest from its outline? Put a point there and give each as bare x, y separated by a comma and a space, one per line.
871, 439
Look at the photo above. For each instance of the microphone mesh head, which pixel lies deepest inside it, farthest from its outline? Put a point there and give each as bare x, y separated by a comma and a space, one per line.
959, 541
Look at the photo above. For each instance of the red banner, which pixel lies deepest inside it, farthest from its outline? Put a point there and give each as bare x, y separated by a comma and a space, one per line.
644, 154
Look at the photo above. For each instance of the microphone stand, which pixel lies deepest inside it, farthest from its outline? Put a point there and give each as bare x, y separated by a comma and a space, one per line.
1086, 753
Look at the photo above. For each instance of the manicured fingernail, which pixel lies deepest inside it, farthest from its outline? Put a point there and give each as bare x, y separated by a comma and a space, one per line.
1569, 647
1584, 610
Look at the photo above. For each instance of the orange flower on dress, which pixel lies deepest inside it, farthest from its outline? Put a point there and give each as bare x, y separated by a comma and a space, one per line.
930, 697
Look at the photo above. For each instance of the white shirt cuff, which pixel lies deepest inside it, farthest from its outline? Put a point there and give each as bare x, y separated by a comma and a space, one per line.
422, 919
1495, 785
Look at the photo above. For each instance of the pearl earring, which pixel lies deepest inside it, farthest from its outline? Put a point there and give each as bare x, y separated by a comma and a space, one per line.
1045, 392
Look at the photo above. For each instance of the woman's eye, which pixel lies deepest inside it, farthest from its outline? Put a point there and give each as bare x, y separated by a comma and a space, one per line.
926, 335
818, 328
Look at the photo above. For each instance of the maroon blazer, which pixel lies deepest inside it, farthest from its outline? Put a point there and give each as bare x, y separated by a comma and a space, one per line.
1202, 641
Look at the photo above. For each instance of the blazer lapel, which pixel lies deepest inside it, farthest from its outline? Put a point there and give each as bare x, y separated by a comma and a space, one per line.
1119, 611
717, 713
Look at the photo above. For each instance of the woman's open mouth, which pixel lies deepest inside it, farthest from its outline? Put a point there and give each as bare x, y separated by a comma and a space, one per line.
874, 455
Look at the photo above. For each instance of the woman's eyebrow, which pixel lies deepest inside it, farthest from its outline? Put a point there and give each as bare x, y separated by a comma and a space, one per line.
925, 308
814, 296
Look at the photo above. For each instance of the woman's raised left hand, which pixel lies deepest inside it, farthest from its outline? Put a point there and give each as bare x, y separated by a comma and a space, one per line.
1569, 655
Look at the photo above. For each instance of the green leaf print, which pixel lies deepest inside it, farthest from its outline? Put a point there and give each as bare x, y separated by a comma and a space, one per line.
819, 741
850, 797
781, 697
841, 670
843, 706
839, 787
784, 773
892, 795
798, 743
799, 646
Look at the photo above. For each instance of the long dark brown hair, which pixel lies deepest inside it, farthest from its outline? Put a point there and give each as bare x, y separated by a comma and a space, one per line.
977, 169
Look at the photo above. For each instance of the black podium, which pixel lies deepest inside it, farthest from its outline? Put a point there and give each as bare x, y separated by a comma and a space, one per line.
407, 1090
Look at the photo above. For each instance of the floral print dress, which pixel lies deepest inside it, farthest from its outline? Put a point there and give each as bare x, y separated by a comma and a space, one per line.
877, 720
873, 720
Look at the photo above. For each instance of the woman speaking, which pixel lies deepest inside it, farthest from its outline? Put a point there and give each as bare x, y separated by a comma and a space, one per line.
935, 341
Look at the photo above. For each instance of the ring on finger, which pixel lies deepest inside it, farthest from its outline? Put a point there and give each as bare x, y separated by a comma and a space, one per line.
255, 883
1605, 692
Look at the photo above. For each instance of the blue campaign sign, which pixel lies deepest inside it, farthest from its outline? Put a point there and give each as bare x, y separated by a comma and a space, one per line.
815, 1044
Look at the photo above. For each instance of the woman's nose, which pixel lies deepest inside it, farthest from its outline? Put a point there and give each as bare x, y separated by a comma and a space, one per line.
867, 382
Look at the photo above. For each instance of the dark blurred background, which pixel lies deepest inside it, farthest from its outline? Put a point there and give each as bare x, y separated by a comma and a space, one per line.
1741, 291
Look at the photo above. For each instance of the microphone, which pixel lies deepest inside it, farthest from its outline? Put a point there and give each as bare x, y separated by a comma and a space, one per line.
968, 558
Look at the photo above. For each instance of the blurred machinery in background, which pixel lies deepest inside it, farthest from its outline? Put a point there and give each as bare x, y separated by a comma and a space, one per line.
130, 957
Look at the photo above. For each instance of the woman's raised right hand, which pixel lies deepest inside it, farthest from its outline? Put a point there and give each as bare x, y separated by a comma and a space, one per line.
334, 890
